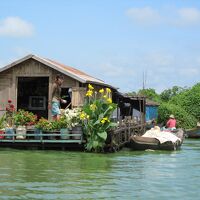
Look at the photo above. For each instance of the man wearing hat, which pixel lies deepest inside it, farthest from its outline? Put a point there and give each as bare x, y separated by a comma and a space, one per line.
171, 123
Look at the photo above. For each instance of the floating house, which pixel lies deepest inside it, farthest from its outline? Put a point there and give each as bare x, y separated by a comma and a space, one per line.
28, 83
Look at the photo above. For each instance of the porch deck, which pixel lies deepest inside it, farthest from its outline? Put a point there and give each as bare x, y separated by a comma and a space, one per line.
43, 141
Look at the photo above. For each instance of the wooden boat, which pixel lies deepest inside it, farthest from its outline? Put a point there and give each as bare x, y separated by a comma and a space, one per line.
143, 143
193, 133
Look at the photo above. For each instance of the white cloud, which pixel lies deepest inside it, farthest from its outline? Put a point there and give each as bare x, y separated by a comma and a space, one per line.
188, 16
178, 17
144, 16
15, 27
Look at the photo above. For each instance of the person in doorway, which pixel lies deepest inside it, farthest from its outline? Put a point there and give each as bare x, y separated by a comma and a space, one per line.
171, 123
56, 97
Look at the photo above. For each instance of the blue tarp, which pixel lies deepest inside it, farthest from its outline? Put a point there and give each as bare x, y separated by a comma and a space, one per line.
151, 112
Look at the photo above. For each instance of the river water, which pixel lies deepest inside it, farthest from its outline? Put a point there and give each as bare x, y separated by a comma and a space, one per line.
26, 174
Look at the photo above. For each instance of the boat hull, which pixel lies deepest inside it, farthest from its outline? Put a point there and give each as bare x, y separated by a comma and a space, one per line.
193, 133
143, 143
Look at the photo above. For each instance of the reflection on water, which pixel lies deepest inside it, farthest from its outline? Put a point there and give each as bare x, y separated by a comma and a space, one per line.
123, 175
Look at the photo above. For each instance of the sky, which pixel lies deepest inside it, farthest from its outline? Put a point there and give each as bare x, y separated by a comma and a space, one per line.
117, 41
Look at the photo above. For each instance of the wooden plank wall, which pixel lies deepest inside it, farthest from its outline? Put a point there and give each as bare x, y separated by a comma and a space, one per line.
29, 68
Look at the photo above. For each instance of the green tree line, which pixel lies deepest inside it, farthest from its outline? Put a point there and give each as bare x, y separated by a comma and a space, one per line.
183, 102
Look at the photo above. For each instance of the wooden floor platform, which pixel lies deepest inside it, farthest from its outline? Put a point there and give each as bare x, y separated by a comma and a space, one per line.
43, 141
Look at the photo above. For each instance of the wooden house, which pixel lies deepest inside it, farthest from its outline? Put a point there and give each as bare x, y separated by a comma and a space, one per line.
28, 83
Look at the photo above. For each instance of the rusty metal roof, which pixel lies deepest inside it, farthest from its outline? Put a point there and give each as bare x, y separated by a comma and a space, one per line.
67, 70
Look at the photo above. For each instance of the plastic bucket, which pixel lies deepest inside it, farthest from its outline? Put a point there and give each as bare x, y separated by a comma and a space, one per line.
64, 131
21, 132
2, 132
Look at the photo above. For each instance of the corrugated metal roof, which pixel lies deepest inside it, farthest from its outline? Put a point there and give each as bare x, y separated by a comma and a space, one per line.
76, 72
67, 70
151, 103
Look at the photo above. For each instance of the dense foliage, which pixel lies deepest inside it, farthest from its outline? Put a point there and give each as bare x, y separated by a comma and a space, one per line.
184, 119
189, 100
183, 102
150, 93
168, 94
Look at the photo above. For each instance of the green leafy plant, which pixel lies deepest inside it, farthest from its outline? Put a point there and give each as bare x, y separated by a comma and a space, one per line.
96, 116
63, 122
44, 124
23, 118
3, 122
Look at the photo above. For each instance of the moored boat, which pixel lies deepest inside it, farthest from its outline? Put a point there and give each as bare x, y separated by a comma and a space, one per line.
193, 133
143, 143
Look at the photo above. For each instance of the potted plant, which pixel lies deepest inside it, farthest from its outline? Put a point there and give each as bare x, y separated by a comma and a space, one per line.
74, 121
23, 118
64, 127
42, 126
10, 109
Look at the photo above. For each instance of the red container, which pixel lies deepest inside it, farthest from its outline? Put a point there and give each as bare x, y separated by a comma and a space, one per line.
2, 136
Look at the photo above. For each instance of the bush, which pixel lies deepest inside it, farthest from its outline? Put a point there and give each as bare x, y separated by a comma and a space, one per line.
183, 118
189, 101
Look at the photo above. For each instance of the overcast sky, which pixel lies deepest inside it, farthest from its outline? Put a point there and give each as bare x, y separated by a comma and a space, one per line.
114, 40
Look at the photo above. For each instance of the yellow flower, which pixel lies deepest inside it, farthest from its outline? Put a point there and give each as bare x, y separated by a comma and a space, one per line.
109, 100
82, 116
88, 116
105, 96
104, 120
101, 91
108, 90
89, 93
93, 107
90, 87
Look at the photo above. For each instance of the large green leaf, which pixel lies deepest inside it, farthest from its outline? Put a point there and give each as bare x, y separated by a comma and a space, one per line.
95, 144
102, 135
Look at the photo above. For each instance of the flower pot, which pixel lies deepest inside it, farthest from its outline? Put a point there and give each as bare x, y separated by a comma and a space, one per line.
77, 130
2, 132
50, 137
9, 131
37, 133
21, 132
64, 131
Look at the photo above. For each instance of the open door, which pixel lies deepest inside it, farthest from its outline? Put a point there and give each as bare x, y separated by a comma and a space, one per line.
33, 95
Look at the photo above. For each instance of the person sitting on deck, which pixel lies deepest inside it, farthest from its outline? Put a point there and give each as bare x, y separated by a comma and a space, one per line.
171, 123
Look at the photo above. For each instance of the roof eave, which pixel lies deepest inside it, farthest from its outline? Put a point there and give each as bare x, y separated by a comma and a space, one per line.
102, 84
16, 62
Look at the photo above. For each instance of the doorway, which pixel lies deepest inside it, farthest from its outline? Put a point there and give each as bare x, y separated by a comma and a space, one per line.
33, 95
